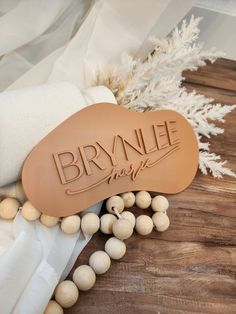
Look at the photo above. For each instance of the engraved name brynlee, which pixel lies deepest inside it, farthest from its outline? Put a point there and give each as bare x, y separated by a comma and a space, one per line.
133, 149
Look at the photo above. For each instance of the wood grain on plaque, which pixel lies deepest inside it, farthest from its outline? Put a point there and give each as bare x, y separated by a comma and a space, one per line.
191, 268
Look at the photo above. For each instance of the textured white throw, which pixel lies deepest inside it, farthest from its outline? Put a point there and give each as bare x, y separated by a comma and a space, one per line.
27, 115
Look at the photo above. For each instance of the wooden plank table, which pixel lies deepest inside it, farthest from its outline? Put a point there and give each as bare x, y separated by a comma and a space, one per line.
191, 268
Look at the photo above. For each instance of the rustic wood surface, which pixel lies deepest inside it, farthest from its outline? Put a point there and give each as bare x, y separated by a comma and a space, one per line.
191, 268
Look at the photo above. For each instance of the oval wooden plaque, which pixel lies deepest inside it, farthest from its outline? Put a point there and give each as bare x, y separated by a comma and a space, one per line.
104, 150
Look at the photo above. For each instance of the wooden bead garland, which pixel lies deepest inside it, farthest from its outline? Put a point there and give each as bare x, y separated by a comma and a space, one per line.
115, 248
84, 276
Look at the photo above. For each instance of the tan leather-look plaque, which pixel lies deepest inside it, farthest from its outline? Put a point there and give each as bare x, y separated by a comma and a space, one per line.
104, 150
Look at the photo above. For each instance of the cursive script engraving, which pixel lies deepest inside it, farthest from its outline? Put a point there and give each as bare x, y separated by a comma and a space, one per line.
131, 171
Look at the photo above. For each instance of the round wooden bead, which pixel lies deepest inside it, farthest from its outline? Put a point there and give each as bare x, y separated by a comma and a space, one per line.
129, 216
160, 203
70, 224
106, 223
49, 221
161, 221
84, 277
66, 293
122, 229
143, 199
100, 262
29, 212
115, 248
128, 198
115, 202
53, 308
9, 208
144, 225
90, 223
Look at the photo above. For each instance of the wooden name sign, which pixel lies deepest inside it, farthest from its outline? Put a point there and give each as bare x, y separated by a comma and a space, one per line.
104, 150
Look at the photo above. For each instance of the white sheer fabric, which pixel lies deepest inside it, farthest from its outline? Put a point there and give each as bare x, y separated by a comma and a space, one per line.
32, 30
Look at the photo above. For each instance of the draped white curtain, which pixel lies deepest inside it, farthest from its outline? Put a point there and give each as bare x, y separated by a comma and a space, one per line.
35, 31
